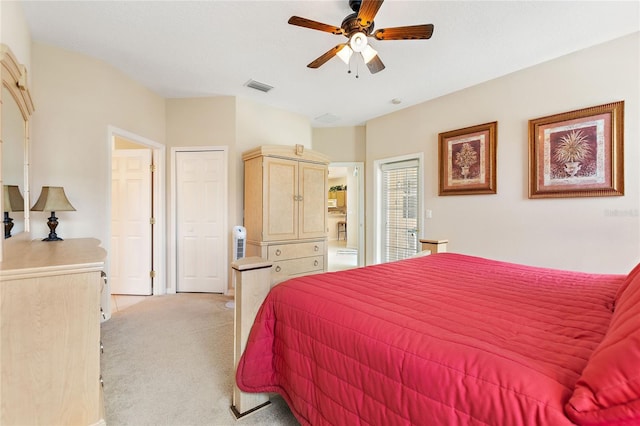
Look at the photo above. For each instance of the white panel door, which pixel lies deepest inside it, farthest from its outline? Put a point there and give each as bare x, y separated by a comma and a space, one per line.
201, 240
130, 265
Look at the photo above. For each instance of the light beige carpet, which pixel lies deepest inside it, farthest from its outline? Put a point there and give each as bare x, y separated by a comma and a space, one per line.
169, 361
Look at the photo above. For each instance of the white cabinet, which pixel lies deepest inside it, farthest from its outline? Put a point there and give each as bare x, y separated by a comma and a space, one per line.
285, 208
50, 342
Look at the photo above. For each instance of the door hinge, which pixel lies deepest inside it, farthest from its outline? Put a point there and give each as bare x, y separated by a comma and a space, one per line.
152, 167
152, 274
152, 221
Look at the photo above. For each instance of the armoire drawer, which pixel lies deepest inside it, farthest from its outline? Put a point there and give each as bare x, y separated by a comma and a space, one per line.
293, 251
302, 265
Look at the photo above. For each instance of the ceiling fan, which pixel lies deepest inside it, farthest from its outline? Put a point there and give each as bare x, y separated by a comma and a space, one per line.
357, 27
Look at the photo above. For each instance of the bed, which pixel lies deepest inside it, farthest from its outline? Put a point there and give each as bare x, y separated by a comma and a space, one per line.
450, 339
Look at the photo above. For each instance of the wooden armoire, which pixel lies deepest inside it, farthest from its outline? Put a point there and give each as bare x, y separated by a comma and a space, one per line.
285, 208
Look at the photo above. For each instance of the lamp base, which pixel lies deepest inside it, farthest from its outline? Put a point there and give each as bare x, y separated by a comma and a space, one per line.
8, 225
52, 224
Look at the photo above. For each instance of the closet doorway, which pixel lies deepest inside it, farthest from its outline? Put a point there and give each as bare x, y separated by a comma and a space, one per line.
200, 230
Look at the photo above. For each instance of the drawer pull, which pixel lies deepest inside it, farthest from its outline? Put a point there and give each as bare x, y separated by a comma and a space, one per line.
278, 268
316, 248
278, 252
315, 263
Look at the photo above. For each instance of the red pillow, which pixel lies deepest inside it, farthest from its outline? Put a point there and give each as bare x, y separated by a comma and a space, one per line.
608, 391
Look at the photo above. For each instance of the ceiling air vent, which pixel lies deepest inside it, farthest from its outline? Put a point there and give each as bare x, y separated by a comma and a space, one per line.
258, 86
327, 118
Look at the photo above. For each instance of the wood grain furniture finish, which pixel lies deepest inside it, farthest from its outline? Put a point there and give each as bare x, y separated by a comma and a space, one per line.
285, 208
50, 333
253, 282
434, 246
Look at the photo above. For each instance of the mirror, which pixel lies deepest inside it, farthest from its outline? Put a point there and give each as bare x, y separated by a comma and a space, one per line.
17, 108
13, 137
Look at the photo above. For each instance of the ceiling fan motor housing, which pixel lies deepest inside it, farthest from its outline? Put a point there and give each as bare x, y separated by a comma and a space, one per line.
355, 5
351, 25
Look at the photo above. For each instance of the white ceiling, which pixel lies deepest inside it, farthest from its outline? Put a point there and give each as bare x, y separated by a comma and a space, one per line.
209, 48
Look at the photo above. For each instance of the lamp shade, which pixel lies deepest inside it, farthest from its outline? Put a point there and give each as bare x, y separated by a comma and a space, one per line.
368, 53
13, 201
52, 198
345, 54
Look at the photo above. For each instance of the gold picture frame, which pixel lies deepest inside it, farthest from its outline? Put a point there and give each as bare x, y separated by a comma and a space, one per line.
467, 160
578, 153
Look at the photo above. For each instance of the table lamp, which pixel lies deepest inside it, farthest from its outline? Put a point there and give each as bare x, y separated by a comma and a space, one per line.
13, 202
53, 199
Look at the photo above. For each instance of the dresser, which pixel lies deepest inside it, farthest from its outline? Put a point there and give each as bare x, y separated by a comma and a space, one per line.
50, 332
285, 208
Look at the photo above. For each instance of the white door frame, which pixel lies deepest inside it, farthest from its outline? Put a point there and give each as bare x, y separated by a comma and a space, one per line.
172, 253
359, 166
377, 200
159, 189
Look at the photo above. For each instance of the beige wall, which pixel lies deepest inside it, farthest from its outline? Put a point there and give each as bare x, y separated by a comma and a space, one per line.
574, 233
257, 125
237, 124
14, 31
76, 99
202, 122
341, 144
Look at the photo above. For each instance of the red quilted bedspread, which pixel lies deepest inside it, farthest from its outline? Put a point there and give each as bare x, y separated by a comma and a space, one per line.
445, 339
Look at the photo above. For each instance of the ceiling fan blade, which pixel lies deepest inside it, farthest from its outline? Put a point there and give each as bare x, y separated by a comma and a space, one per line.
317, 63
414, 32
375, 65
368, 10
314, 25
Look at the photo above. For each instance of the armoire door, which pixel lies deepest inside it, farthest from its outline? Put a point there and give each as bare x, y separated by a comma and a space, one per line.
280, 198
312, 208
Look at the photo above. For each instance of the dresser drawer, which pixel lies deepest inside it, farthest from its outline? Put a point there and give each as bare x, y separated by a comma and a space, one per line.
293, 251
303, 265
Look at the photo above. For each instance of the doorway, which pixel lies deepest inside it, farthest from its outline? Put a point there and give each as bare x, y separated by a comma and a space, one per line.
200, 207
131, 266
398, 205
140, 196
346, 215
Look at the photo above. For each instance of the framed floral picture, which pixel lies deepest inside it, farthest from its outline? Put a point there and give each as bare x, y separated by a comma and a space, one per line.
467, 159
577, 153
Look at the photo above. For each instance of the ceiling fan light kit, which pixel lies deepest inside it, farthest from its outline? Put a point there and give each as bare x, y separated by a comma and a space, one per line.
357, 27
358, 42
368, 53
345, 54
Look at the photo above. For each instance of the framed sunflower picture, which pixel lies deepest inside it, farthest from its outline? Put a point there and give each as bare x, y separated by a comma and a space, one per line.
577, 153
467, 160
